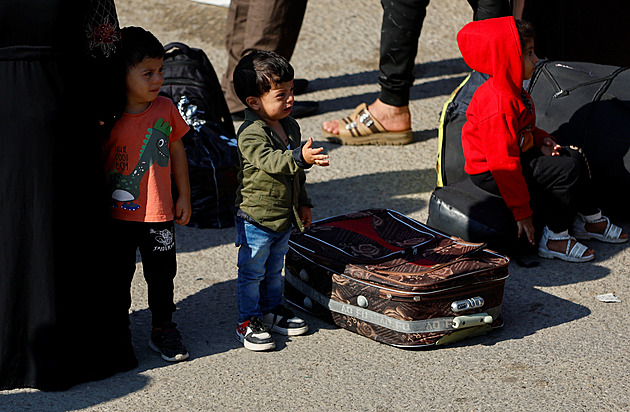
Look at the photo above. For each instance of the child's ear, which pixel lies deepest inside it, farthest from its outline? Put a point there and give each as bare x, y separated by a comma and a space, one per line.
253, 102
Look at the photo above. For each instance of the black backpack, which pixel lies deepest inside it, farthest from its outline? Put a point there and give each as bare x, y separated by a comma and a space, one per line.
188, 72
457, 206
192, 84
450, 158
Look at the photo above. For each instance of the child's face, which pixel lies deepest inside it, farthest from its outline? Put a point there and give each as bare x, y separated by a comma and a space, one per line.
143, 83
277, 103
530, 60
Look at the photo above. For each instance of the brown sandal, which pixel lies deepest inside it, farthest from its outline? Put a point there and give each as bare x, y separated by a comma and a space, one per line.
362, 128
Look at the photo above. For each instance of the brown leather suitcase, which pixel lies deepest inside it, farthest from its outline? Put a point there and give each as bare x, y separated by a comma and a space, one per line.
395, 280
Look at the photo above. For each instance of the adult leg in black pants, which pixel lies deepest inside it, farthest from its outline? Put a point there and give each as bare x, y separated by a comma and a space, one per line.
388, 120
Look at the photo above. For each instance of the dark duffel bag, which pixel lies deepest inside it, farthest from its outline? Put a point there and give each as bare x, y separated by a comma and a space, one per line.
588, 105
466, 211
385, 276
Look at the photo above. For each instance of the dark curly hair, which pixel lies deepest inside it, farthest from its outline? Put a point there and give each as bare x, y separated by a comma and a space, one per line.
525, 31
136, 44
258, 71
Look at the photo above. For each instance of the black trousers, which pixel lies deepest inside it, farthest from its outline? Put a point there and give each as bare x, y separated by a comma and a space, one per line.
400, 33
156, 242
558, 186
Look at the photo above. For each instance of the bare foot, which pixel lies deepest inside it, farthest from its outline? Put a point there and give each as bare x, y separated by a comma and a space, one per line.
600, 227
561, 246
393, 118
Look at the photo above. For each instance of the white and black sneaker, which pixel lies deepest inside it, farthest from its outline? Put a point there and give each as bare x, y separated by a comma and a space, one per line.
284, 321
255, 335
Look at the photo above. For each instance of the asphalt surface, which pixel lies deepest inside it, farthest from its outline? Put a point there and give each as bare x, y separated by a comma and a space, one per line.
560, 348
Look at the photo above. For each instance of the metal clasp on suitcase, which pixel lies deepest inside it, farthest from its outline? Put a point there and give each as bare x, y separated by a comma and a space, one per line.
462, 305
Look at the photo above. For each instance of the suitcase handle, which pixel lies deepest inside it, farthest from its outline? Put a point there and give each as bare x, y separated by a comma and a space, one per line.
468, 321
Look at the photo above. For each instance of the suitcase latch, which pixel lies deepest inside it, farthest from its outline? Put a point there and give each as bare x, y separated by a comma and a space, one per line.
462, 305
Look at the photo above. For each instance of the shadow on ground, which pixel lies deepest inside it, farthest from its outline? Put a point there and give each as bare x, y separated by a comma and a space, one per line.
424, 90
203, 335
526, 310
396, 191
455, 68
446, 67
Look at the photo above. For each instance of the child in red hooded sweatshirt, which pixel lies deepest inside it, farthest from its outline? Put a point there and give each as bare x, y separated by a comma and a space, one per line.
507, 155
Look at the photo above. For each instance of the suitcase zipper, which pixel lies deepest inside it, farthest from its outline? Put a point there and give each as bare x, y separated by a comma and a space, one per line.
399, 292
402, 296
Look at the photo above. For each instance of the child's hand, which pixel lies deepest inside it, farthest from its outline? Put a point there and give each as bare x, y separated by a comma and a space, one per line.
305, 215
183, 210
313, 156
550, 147
526, 225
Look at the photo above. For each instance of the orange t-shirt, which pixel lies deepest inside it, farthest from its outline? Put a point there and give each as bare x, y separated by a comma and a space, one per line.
137, 162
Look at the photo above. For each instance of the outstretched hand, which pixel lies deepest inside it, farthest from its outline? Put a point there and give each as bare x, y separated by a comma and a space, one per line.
312, 155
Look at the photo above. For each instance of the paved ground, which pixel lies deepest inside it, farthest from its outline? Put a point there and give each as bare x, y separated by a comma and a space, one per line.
560, 349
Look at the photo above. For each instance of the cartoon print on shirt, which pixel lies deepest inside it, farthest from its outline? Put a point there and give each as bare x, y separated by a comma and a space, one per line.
126, 188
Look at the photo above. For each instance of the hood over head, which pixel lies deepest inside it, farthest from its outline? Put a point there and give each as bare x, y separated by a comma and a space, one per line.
493, 47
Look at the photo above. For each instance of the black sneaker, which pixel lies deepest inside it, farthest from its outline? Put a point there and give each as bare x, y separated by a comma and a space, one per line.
168, 342
284, 321
255, 335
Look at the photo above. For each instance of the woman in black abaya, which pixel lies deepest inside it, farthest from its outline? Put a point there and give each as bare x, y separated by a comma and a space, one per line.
56, 328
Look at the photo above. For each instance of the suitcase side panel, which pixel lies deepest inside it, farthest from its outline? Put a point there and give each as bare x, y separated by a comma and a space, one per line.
386, 315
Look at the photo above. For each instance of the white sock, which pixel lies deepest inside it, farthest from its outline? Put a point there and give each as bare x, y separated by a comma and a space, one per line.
592, 218
552, 234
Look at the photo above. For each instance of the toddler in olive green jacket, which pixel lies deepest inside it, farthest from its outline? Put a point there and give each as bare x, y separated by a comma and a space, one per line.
271, 197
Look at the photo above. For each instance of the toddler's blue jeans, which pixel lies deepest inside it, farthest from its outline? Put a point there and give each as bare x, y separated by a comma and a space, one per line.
260, 263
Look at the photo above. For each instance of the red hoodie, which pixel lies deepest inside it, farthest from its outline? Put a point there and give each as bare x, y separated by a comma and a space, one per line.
500, 120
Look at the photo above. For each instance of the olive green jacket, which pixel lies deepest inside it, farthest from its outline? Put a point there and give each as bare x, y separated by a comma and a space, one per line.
271, 177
